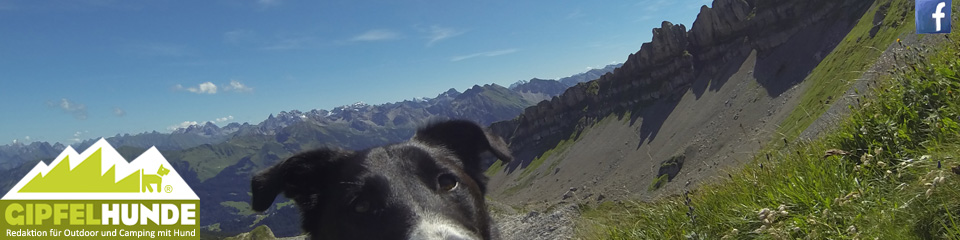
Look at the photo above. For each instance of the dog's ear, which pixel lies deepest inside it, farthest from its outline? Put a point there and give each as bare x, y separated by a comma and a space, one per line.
467, 140
296, 177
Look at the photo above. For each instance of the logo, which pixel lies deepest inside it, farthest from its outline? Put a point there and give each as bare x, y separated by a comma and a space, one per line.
933, 16
97, 194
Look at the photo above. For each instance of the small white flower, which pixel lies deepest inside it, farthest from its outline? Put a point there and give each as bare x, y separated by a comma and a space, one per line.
763, 212
852, 230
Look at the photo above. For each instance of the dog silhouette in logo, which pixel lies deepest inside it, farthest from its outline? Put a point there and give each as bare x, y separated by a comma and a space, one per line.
149, 179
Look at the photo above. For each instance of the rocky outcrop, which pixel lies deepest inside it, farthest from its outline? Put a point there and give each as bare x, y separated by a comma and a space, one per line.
665, 67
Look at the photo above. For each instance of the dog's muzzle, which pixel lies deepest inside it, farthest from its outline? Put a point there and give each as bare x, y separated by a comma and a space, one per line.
440, 230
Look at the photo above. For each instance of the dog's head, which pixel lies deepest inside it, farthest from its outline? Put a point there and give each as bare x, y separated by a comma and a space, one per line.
162, 171
430, 187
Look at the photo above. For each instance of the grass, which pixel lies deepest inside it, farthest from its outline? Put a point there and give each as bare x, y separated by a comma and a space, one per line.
208, 160
288, 203
560, 148
495, 168
663, 178
658, 182
502, 96
594, 88
848, 61
563, 145
893, 182
242, 208
261, 232
524, 179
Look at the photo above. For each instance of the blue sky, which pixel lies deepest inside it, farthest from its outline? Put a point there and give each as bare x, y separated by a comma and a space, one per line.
80, 69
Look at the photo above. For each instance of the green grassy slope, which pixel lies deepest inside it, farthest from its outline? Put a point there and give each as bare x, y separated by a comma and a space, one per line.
897, 176
854, 55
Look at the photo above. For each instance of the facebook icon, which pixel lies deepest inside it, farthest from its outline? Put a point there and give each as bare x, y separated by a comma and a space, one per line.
933, 16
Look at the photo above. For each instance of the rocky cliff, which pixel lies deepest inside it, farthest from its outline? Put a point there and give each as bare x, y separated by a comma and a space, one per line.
665, 68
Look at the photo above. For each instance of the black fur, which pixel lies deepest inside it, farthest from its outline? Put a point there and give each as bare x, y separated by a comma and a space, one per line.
380, 193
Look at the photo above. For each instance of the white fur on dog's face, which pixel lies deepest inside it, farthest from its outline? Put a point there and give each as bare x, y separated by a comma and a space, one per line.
437, 228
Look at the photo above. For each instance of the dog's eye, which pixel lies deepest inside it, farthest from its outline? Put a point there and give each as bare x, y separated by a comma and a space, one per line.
361, 206
447, 182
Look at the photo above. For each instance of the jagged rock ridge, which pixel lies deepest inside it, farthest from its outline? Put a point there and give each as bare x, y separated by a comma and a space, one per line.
665, 68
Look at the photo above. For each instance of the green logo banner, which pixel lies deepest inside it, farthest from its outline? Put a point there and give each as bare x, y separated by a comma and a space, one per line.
98, 194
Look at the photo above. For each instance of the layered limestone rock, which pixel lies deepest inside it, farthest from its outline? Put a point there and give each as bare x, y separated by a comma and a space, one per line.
665, 67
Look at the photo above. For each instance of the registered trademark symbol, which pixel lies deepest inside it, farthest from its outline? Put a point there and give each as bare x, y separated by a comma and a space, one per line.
168, 189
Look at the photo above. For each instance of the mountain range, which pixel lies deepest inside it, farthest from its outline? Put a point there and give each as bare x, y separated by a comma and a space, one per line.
675, 141
682, 108
213, 159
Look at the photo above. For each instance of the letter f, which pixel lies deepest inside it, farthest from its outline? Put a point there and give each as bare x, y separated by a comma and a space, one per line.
938, 15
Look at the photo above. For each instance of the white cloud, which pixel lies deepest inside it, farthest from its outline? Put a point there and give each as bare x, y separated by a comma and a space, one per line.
376, 35
438, 33
236, 86
484, 54
184, 124
76, 136
78, 110
206, 87
27, 138
211, 88
119, 112
223, 119
14, 141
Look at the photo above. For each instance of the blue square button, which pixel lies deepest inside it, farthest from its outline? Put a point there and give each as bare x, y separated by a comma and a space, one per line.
933, 16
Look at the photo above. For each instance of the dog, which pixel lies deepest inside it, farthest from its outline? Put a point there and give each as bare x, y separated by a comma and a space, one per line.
429, 187
148, 180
